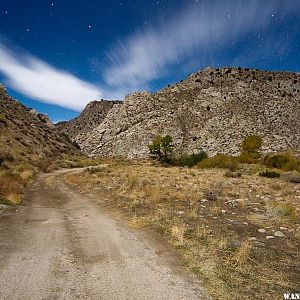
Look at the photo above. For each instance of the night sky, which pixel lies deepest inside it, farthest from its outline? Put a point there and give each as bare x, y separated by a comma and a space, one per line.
56, 56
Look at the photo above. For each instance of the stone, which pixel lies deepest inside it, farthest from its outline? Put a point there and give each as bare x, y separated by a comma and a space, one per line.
261, 230
234, 244
260, 244
279, 234
269, 237
283, 228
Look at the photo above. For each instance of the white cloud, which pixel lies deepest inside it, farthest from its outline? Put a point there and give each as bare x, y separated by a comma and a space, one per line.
190, 37
197, 31
41, 81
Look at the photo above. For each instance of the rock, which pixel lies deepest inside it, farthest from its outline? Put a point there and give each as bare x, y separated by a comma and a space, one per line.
234, 244
279, 234
253, 239
261, 230
260, 244
269, 237
297, 267
283, 228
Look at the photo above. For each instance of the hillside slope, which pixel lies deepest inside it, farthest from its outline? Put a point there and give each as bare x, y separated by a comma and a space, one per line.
28, 135
212, 110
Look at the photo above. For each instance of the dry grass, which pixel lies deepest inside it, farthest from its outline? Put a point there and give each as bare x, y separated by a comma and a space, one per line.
12, 186
214, 235
242, 256
177, 233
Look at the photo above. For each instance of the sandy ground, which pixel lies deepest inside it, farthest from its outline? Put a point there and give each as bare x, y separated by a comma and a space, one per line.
61, 245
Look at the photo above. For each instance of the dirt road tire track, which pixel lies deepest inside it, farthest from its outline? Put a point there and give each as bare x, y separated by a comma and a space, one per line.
61, 245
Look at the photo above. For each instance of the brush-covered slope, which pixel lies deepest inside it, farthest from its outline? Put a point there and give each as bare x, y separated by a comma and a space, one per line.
27, 135
212, 110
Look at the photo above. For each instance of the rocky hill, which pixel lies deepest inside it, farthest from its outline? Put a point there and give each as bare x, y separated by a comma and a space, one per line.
28, 135
91, 117
212, 110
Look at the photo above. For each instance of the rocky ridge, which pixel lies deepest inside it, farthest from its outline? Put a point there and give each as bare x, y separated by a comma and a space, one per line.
212, 110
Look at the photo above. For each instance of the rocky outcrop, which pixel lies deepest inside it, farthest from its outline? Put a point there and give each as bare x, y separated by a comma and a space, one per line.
212, 110
91, 117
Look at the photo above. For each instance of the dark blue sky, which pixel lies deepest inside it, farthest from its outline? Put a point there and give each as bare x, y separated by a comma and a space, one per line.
56, 56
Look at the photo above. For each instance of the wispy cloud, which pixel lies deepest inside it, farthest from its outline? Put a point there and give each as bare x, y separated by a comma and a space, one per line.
197, 35
41, 81
199, 31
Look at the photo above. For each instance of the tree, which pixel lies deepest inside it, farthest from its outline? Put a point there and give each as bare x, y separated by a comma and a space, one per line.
251, 146
162, 148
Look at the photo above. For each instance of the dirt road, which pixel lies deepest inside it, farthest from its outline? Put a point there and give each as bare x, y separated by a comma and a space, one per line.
60, 244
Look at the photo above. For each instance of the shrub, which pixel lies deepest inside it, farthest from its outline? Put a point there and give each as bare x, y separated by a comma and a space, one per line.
251, 146
282, 161
293, 177
11, 187
6, 202
213, 193
5, 156
269, 174
245, 158
2, 118
282, 211
232, 174
162, 148
220, 161
189, 160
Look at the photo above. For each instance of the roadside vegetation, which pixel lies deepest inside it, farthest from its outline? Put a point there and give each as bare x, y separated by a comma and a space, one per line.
16, 172
233, 219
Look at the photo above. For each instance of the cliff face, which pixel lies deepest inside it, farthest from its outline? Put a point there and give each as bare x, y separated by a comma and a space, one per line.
27, 134
212, 110
91, 117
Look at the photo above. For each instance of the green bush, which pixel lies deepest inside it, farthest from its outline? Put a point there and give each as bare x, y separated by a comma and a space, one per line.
245, 158
162, 148
285, 162
221, 161
2, 118
189, 160
269, 174
250, 148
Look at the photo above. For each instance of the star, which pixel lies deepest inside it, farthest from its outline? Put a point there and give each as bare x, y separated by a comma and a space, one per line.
90, 26
27, 29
